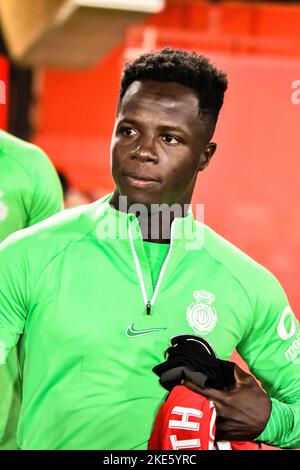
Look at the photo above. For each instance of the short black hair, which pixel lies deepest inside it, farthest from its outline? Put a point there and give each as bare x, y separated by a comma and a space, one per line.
189, 69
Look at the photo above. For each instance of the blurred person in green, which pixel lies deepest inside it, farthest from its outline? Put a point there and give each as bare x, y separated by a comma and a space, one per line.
30, 191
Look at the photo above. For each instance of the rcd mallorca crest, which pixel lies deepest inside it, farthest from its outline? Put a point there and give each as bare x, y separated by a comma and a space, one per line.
201, 316
3, 209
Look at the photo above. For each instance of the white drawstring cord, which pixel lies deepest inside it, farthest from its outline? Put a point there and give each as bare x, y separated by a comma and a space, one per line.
150, 303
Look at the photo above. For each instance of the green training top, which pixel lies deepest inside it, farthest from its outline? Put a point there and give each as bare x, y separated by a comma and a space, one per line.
30, 191
91, 327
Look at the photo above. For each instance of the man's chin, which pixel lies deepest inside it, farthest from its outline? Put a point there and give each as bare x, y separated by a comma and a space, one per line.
139, 197
149, 201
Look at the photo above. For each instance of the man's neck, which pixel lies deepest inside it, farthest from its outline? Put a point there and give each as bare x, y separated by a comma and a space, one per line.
155, 221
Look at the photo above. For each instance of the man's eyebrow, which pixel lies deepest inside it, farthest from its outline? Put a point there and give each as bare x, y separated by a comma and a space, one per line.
129, 120
162, 127
170, 128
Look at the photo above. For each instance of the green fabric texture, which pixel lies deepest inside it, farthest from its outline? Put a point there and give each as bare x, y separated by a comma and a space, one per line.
30, 191
155, 254
87, 345
282, 422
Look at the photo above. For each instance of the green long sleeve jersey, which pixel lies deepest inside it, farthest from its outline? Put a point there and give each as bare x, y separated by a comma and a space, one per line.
76, 291
30, 191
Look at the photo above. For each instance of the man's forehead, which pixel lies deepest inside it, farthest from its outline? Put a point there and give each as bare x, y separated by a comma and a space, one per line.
169, 94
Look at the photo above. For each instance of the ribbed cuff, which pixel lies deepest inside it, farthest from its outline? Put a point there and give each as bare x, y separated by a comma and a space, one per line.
279, 426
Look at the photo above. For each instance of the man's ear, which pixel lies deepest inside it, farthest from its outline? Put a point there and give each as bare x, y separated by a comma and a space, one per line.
206, 155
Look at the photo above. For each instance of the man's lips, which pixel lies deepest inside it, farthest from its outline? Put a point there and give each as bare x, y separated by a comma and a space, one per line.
140, 176
139, 180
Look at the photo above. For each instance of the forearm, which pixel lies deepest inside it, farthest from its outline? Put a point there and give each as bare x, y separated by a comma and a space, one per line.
283, 427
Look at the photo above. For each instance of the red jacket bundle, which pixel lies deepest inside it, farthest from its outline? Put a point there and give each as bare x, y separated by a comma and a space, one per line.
187, 421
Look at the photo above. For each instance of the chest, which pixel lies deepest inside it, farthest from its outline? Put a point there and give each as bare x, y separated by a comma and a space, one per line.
93, 300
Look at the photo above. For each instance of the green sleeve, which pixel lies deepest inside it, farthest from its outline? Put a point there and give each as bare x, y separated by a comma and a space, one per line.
47, 195
32, 199
272, 352
13, 287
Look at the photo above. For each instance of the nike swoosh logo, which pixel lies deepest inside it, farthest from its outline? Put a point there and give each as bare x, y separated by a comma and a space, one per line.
131, 332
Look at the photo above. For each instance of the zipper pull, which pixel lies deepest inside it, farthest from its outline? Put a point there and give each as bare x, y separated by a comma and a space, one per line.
148, 308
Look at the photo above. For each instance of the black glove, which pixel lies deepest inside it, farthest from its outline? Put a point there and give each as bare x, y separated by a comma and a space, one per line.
191, 357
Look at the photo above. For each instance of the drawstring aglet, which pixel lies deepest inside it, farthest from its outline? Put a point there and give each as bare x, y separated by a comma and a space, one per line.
148, 308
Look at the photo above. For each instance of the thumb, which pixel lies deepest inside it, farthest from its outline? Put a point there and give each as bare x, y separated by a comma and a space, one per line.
241, 377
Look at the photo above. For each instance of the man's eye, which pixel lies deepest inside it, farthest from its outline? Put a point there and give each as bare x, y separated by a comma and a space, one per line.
170, 139
128, 131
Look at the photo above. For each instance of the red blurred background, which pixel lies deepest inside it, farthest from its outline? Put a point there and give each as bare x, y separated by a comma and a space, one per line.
4, 73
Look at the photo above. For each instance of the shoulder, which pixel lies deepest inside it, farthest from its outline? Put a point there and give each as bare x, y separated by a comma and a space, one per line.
31, 159
253, 277
48, 238
13, 146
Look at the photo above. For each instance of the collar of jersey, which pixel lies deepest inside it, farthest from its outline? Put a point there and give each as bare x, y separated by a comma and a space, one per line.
187, 233
185, 229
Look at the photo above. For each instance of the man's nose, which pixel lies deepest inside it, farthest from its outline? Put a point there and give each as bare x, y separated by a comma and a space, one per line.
145, 150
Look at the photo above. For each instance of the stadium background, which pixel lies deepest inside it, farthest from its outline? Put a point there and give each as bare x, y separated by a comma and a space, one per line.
251, 189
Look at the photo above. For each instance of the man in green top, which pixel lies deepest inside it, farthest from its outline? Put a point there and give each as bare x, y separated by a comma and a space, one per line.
99, 290
30, 192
